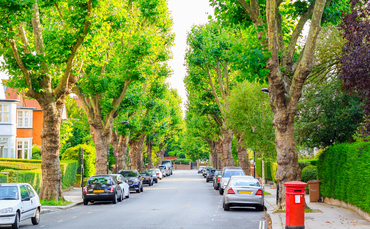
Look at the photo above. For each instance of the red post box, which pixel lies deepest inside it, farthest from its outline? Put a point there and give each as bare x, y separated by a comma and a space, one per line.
294, 204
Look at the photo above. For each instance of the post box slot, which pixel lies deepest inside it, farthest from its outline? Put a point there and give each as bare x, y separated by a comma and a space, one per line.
297, 190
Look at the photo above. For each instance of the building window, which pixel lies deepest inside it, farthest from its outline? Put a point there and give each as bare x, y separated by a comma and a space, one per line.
23, 149
4, 113
24, 118
4, 153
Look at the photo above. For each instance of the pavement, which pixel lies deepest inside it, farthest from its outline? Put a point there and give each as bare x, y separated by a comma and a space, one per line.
182, 201
74, 195
323, 215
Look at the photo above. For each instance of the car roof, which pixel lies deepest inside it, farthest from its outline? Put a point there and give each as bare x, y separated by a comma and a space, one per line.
13, 184
243, 177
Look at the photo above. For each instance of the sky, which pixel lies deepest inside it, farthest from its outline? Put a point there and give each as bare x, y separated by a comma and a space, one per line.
185, 14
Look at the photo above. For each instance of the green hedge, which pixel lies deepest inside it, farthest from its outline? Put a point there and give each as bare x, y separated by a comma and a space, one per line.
273, 171
2, 178
21, 160
73, 153
69, 170
268, 169
180, 160
258, 166
309, 173
33, 177
18, 165
344, 173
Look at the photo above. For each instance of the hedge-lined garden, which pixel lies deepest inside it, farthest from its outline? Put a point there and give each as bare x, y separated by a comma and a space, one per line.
344, 173
29, 171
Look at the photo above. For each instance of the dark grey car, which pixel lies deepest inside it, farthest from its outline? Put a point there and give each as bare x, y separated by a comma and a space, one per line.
217, 179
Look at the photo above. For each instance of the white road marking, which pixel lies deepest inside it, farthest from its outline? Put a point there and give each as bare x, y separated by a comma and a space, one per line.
262, 225
74, 217
60, 221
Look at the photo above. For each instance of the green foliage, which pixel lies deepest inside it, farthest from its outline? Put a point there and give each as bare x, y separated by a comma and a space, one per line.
268, 170
182, 161
303, 164
181, 155
273, 171
69, 170
36, 152
343, 170
2, 178
258, 166
89, 158
309, 173
54, 202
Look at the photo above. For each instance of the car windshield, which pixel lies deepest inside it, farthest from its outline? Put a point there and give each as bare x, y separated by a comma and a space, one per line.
234, 173
145, 174
149, 171
100, 180
162, 167
128, 173
8, 193
217, 172
245, 183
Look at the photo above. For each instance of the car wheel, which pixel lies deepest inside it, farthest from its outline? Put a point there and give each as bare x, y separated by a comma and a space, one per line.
217, 187
156, 181
120, 197
86, 202
115, 198
221, 191
36, 219
128, 195
226, 207
150, 183
138, 191
260, 208
15, 225
141, 189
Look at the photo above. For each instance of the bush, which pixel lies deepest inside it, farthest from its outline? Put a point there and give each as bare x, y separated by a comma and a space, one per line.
181, 155
36, 152
303, 164
182, 161
172, 153
343, 170
69, 170
273, 171
268, 163
309, 173
19, 165
73, 153
259, 167
2, 178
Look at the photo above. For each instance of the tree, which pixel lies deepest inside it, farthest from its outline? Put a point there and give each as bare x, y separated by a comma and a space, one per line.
138, 43
278, 26
40, 42
356, 55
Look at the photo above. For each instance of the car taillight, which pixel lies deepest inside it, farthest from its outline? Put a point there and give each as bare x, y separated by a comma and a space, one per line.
230, 191
85, 190
112, 189
259, 192
219, 179
157, 173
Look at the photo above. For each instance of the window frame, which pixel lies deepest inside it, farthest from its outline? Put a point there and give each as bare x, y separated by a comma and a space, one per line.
29, 148
4, 112
23, 118
6, 147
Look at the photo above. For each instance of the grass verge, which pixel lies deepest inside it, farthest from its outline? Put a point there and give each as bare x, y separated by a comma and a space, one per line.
54, 202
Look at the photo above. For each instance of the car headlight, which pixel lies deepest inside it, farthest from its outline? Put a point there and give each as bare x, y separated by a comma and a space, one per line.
6, 210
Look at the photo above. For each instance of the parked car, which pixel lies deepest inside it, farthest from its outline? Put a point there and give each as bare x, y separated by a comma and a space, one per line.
229, 167
147, 178
119, 179
216, 179
19, 202
134, 180
210, 175
163, 171
102, 188
200, 169
159, 173
206, 170
154, 175
243, 191
226, 176
165, 168
169, 164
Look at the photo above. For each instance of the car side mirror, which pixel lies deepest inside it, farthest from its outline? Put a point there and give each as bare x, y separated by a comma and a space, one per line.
26, 199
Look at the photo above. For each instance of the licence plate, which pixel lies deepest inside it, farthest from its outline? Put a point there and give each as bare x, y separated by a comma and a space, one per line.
98, 191
245, 192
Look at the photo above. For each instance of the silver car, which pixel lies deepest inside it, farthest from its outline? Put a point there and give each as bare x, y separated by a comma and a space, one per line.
226, 176
243, 191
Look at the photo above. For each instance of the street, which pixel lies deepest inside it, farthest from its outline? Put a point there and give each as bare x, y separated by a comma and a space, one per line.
183, 200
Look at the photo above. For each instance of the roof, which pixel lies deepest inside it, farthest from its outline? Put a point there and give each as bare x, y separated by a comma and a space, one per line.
24, 102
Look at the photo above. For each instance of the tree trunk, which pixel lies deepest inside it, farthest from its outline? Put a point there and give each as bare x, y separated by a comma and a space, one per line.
213, 154
161, 151
218, 149
51, 186
114, 142
136, 152
287, 157
243, 156
150, 145
122, 151
227, 154
102, 142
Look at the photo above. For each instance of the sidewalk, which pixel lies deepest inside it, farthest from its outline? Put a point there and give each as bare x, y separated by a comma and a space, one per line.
74, 195
323, 216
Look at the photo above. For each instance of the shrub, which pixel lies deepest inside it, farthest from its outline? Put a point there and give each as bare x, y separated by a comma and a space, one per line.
36, 152
309, 173
172, 153
343, 170
303, 164
2, 178
19, 165
273, 171
181, 155
69, 170
259, 167
267, 164
89, 158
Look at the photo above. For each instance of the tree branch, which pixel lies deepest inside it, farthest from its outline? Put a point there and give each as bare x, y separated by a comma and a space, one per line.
220, 80
22, 34
214, 90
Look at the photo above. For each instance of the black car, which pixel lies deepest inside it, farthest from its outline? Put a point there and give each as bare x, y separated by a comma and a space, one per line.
210, 175
147, 178
154, 175
206, 170
217, 179
134, 180
102, 188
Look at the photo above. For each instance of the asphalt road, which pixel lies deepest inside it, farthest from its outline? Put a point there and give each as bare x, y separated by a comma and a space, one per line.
181, 201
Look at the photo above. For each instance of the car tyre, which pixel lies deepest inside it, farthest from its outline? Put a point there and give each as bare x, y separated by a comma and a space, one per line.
115, 199
226, 207
121, 197
86, 202
138, 191
150, 183
15, 225
217, 187
141, 189
128, 195
36, 219
156, 181
260, 207
221, 191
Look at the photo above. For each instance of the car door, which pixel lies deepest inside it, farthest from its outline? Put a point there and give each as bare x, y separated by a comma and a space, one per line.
25, 203
124, 186
34, 200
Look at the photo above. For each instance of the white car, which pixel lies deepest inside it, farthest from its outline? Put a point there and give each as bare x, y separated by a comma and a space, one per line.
121, 181
19, 201
159, 173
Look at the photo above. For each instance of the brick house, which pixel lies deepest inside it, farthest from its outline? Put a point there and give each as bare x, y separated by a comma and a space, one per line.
20, 124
